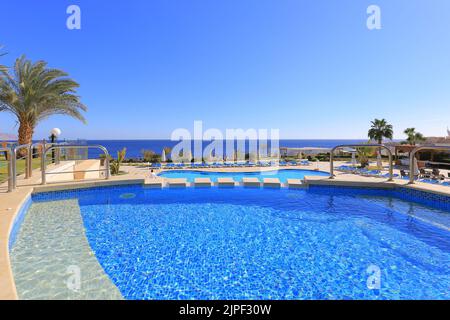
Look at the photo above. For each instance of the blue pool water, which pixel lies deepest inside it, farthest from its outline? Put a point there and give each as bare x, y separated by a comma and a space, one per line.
283, 175
265, 244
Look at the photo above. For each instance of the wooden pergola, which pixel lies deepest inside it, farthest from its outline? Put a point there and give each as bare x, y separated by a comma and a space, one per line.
403, 148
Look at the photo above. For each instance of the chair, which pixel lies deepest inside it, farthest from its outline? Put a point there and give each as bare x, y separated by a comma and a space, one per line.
424, 174
403, 174
436, 175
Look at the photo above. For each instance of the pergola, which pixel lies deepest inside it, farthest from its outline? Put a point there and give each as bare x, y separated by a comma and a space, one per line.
403, 148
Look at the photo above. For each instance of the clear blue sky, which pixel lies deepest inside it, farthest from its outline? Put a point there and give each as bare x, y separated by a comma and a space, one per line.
310, 68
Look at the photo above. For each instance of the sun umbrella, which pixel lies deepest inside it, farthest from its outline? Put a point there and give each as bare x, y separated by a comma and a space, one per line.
379, 162
416, 167
163, 156
354, 159
212, 156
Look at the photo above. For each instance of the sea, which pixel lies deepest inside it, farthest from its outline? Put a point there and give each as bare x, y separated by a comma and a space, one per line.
135, 147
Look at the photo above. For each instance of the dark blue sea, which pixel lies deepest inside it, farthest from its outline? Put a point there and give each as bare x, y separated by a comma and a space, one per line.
135, 147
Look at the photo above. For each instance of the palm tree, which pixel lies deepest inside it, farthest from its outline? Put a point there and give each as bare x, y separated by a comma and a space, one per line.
380, 129
413, 136
34, 92
364, 154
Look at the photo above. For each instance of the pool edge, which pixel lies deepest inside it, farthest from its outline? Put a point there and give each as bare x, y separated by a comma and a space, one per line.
23, 195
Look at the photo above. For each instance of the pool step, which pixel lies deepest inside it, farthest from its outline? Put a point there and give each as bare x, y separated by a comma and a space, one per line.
225, 182
251, 182
202, 182
272, 183
176, 183
295, 184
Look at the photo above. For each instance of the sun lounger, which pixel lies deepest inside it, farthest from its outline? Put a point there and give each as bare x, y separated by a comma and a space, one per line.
387, 175
305, 163
155, 166
431, 181
371, 173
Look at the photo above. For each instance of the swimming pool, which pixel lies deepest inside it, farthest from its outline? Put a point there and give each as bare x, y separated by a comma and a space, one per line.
283, 175
238, 243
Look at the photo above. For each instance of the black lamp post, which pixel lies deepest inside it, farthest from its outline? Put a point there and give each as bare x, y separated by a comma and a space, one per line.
53, 136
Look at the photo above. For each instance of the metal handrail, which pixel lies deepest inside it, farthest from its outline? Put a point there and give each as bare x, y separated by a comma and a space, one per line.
412, 164
10, 168
44, 144
391, 167
14, 159
58, 147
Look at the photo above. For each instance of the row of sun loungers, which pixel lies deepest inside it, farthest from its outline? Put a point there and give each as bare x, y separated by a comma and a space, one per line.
433, 177
228, 164
364, 172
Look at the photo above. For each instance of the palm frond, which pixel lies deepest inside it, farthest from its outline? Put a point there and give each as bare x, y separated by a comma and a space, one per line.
33, 92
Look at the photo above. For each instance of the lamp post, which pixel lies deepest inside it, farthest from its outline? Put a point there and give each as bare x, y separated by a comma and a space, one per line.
54, 134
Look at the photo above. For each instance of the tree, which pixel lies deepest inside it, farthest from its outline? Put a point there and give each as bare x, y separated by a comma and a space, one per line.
364, 154
413, 136
34, 92
380, 129
150, 156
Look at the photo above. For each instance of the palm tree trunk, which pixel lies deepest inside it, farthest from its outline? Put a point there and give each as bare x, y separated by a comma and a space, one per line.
26, 131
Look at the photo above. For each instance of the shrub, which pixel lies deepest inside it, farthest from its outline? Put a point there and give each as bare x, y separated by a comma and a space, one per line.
115, 165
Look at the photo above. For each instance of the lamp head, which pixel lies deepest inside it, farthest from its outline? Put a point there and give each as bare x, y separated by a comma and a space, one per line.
56, 132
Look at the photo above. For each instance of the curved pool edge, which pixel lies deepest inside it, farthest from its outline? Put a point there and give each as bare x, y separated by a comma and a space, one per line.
9, 225
15, 209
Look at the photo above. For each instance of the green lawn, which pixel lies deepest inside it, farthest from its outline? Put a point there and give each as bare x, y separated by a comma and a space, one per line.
20, 167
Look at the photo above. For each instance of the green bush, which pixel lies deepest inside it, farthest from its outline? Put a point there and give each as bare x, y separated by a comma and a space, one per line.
150, 156
115, 165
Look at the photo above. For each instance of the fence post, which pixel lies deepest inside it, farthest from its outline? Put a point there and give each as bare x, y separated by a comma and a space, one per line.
30, 161
332, 163
43, 163
10, 171
107, 173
